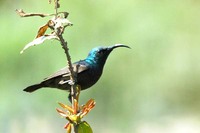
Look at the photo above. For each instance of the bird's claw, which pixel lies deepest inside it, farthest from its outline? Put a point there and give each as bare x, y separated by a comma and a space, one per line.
63, 82
70, 82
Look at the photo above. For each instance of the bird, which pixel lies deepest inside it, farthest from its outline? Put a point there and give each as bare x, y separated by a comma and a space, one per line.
88, 71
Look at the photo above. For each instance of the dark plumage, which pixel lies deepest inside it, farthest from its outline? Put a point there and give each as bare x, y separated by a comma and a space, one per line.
89, 71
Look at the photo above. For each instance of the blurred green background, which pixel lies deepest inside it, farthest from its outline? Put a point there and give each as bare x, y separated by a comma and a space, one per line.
152, 88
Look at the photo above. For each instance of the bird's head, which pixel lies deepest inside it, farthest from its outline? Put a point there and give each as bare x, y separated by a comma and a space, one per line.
100, 54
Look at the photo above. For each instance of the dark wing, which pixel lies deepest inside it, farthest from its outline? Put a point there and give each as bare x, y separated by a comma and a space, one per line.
64, 72
60, 77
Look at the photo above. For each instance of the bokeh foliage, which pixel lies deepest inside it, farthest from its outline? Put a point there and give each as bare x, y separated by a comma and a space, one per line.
155, 82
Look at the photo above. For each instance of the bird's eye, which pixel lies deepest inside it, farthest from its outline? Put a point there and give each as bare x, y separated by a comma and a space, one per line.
100, 51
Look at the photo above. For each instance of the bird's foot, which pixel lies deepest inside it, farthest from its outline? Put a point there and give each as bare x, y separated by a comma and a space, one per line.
70, 82
63, 82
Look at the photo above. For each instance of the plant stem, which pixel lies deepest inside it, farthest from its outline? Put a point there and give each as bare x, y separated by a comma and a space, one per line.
72, 73
56, 8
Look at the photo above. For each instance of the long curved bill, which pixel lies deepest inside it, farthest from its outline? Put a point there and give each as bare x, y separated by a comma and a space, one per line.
118, 45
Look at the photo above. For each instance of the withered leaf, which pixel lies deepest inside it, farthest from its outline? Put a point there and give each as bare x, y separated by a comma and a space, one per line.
61, 22
20, 12
42, 30
39, 40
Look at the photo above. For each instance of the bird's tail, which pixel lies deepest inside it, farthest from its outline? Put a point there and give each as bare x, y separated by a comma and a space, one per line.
33, 87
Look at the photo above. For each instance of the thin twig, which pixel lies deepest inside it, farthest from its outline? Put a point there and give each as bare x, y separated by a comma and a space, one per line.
59, 32
72, 73
21, 13
56, 8
66, 49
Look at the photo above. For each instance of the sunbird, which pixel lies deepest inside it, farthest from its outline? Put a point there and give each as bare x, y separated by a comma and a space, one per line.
88, 71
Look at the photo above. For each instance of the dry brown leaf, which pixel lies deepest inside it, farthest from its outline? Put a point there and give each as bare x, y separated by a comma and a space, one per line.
42, 30
21, 13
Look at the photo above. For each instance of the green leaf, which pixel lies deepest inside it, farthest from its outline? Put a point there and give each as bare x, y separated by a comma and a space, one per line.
84, 127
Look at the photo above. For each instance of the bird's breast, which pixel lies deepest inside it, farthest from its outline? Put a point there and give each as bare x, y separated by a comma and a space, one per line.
89, 77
